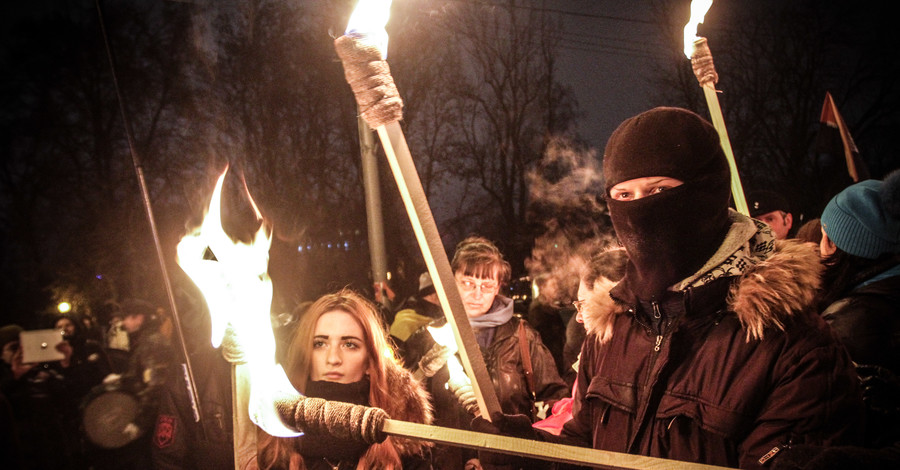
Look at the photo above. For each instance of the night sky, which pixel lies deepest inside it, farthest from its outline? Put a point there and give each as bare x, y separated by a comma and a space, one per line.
613, 57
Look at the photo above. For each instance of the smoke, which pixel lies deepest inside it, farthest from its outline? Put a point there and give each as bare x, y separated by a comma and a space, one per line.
568, 217
204, 37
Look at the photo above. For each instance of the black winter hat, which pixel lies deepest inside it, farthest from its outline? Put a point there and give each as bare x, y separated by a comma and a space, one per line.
762, 202
9, 333
664, 141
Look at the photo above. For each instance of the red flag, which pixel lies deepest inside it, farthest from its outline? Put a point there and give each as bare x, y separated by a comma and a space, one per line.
831, 118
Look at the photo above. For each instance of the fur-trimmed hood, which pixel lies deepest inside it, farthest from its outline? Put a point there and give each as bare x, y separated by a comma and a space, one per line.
768, 294
411, 403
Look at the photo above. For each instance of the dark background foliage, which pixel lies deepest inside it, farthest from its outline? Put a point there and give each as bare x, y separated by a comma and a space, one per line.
507, 106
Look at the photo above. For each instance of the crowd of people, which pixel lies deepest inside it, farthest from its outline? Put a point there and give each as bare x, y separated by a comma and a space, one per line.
705, 336
116, 400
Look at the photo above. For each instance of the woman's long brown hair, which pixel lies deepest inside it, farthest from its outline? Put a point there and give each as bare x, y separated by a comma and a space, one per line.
276, 452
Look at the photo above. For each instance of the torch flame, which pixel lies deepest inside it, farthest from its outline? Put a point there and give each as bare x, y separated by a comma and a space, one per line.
238, 292
368, 21
444, 336
698, 11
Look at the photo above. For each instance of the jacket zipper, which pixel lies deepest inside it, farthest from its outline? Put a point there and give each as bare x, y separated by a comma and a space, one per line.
657, 314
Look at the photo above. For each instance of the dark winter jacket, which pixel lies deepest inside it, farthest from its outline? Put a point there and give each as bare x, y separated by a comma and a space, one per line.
503, 360
724, 373
503, 363
39, 404
88, 366
151, 368
867, 320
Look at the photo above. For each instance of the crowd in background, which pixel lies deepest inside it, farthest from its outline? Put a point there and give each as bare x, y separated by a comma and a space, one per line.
707, 336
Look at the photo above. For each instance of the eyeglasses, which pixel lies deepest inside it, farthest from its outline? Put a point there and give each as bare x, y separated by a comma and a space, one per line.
470, 286
579, 305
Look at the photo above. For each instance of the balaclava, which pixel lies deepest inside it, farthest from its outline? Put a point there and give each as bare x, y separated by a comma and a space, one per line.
669, 235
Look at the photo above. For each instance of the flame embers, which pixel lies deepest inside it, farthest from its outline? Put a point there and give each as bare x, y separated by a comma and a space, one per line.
368, 21
238, 292
698, 11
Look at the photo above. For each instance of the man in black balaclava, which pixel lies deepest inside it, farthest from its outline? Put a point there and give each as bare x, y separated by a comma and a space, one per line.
670, 236
712, 350
717, 354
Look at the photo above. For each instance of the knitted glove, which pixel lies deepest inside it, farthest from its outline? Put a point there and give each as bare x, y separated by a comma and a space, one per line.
465, 395
434, 360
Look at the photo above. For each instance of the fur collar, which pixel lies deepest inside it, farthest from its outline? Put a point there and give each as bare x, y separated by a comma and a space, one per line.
412, 403
767, 294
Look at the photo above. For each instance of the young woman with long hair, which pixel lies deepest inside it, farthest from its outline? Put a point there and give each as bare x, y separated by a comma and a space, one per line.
339, 351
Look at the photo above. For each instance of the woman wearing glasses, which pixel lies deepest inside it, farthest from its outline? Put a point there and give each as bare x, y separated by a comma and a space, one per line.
480, 271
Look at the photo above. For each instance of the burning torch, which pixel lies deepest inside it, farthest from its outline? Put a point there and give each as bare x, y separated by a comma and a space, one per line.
697, 50
362, 50
238, 292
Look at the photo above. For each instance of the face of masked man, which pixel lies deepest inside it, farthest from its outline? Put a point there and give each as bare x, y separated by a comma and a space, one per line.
667, 189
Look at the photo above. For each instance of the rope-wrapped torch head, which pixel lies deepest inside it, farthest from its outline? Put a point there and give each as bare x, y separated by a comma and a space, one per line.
370, 79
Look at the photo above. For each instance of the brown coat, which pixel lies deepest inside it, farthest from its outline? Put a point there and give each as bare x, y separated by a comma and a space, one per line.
737, 369
503, 359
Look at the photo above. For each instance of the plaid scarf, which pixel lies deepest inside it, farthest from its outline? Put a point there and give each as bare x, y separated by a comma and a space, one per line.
747, 243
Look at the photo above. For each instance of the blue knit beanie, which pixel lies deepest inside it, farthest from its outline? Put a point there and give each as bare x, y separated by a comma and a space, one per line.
864, 219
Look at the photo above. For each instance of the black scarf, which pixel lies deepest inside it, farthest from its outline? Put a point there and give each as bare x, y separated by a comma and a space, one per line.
670, 235
323, 446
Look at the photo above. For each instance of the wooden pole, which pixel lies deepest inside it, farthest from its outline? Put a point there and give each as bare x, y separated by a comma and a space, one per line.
702, 63
413, 195
374, 218
536, 449
369, 76
243, 429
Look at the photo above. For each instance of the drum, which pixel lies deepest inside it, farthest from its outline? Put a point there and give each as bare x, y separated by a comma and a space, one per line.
105, 414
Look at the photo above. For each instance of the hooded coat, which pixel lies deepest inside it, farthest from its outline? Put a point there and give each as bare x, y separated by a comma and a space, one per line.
867, 319
728, 372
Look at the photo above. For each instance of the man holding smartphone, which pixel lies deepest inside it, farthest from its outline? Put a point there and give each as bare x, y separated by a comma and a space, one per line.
37, 395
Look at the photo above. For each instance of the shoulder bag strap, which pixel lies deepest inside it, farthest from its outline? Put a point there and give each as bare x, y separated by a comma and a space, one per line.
526, 359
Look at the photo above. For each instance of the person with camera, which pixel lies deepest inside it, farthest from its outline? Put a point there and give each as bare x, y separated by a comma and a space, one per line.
37, 395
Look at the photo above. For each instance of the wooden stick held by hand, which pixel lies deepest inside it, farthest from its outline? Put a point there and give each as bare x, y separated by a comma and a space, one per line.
372, 425
705, 71
381, 107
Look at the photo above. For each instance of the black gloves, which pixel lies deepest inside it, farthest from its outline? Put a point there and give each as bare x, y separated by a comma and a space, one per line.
512, 426
506, 425
881, 389
807, 457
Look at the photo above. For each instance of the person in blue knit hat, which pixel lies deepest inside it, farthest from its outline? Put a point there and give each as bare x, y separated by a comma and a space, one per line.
860, 298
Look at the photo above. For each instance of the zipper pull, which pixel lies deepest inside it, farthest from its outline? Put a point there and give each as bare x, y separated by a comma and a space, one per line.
659, 339
657, 314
